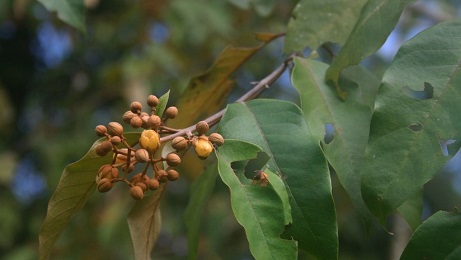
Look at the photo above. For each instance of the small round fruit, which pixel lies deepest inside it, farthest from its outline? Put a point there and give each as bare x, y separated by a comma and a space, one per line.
172, 175
153, 184
173, 159
152, 100
171, 112
162, 176
115, 140
216, 139
202, 127
203, 148
179, 143
115, 129
142, 185
135, 107
149, 140
128, 116
142, 155
104, 185
104, 148
100, 130
136, 192
136, 122
154, 121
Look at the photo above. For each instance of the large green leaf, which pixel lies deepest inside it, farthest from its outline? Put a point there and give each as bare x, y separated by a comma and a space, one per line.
349, 120
377, 20
315, 22
70, 11
416, 125
260, 210
144, 221
278, 127
439, 237
200, 193
76, 185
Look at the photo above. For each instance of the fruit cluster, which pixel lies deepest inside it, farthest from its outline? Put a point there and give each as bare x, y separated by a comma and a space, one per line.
126, 156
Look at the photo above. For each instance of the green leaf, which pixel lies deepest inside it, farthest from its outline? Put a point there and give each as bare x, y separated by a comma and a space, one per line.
70, 11
412, 210
200, 193
349, 121
162, 102
439, 237
415, 126
144, 221
279, 129
260, 210
376, 21
315, 22
76, 185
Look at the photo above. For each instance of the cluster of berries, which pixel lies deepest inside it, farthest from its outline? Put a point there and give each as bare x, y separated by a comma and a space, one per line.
126, 156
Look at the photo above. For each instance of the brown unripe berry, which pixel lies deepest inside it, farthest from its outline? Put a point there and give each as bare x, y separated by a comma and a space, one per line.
173, 159
162, 176
107, 171
153, 184
136, 122
142, 185
100, 130
172, 175
104, 185
135, 107
145, 121
115, 140
203, 148
152, 100
202, 127
115, 129
216, 139
149, 140
104, 148
142, 155
171, 112
128, 116
136, 193
154, 121
179, 143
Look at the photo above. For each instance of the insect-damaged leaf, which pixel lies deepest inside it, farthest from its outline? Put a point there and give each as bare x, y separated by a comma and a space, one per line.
349, 120
413, 136
261, 210
278, 127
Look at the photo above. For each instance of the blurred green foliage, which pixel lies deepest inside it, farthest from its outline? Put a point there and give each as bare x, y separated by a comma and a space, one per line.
57, 84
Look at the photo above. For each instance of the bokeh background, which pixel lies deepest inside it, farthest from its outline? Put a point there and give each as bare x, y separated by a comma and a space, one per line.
57, 84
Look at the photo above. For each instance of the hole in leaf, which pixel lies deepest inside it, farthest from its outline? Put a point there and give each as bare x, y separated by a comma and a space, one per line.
427, 93
329, 133
256, 164
416, 127
444, 145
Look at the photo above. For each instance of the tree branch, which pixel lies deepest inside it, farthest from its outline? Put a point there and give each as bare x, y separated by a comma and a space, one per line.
251, 94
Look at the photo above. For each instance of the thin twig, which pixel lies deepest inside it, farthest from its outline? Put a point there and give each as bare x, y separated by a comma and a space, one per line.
251, 94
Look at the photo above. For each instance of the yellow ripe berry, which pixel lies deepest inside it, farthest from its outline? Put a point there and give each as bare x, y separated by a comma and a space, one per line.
203, 148
149, 140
